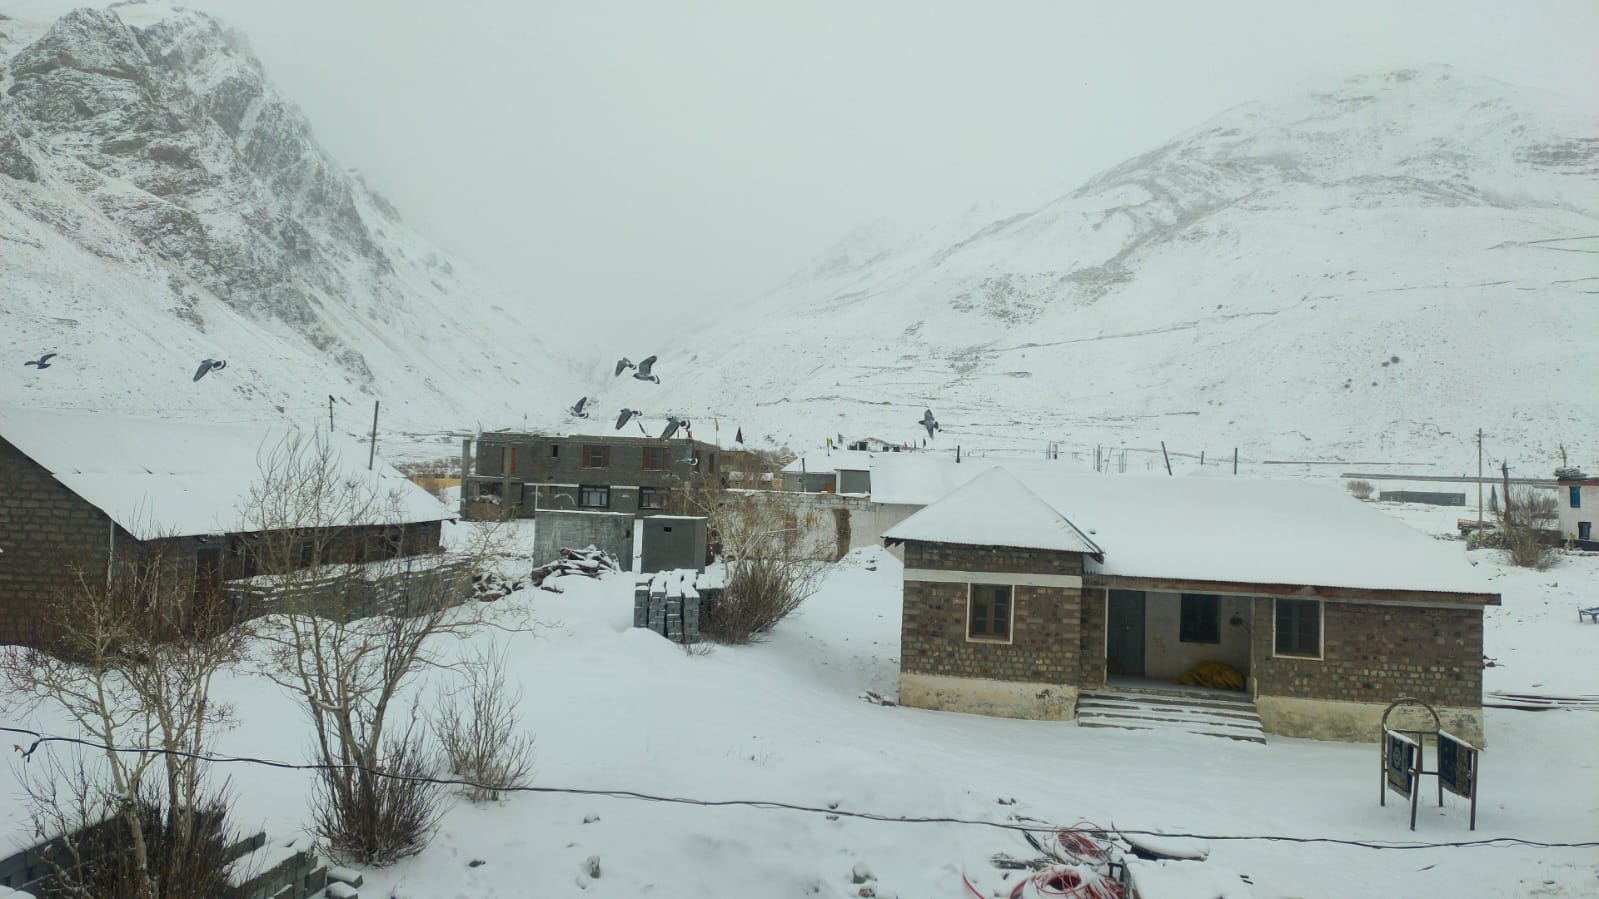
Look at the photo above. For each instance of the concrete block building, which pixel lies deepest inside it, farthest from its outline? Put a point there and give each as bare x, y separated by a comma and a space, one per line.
594, 473
1022, 591
1577, 506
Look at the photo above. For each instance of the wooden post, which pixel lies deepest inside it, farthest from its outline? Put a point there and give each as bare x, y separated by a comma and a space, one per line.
1235, 460
466, 470
1505, 467
372, 453
330, 413
1201, 458
1166, 457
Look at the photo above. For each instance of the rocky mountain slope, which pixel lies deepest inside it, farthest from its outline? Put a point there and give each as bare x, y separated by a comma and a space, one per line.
1369, 269
161, 203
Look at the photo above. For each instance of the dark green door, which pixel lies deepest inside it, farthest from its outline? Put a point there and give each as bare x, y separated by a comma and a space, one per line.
1124, 639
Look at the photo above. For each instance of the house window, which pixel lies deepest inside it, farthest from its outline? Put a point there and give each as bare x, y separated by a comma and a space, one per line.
394, 543
507, 460
651, 498
711, 462
593, 496
1201, 618
988, 612
1584, 530
1576, 496
555, 451
1298, 627
596, 456
654, 458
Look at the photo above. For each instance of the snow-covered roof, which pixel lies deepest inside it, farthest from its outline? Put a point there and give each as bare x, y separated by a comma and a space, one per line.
159, 478
994, 509
1213, 529
917, 479
824, 461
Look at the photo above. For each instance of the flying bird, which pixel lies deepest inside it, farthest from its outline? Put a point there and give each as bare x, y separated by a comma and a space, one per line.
623, 364
41, 363
643, 373
207, 366
930, 423
626, 416
689, 458
577, 407
672, 424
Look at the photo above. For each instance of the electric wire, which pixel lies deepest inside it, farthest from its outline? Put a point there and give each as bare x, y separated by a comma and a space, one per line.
45, 740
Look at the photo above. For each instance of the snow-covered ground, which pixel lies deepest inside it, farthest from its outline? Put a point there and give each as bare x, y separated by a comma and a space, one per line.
620, 709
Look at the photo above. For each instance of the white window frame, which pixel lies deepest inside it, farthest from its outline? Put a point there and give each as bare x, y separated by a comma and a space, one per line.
1321, 629
1010, 611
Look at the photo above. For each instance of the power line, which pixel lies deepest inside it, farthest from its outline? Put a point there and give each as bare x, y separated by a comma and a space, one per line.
40, 739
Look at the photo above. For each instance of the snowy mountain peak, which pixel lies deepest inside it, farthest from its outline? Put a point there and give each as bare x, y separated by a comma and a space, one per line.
1349, 256
147, 141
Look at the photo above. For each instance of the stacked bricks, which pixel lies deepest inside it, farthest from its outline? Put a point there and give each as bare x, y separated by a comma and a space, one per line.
1046, 624
669, 602
1375, 653
1091, 662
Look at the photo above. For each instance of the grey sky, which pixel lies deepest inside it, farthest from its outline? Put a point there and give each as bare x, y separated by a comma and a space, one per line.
666, 159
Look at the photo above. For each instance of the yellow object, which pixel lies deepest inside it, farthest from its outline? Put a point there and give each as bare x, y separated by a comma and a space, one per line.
1213, 674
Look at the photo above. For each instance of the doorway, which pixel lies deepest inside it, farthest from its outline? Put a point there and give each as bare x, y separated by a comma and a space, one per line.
1124, 634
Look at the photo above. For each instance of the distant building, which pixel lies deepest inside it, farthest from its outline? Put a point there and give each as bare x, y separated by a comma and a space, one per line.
597, 473
76, 487
1578, 505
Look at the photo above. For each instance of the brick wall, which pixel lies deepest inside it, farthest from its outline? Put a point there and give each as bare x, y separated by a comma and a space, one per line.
1046, 624
958, 557
1091, 659
45, 531
1376, 654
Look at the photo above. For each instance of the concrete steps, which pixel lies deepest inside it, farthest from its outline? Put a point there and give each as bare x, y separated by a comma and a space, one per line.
1209, 714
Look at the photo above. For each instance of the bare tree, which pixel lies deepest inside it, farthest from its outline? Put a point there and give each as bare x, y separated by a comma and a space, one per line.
351, 636
133, 650
773, 550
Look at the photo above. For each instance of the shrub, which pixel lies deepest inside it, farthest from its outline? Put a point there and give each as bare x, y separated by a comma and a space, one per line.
378, 816
476, 726
1526, 520
1359, 489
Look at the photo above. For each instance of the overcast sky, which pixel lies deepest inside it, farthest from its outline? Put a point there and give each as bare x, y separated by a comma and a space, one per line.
661, 159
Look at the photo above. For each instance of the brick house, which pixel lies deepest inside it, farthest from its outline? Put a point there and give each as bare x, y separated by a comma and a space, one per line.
77, 487
596, 473
1020, 591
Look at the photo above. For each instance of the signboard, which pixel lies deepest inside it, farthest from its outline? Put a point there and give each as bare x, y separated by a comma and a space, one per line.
1457, 765
1400, 769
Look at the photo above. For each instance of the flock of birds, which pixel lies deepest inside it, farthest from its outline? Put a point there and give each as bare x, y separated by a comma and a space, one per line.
644, 371
207, 366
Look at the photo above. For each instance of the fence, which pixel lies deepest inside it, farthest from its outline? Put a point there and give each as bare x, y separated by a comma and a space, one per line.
288, 869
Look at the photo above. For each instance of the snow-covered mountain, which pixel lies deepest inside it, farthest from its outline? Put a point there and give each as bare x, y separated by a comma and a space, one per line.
1364, 270
161, 203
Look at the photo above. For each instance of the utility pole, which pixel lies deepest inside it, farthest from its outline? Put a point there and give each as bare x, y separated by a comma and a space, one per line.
1235, 460
330, 413
372, 453
1479, 477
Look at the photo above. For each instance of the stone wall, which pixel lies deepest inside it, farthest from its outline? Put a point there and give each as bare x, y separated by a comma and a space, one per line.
1377, 653
46, 531
1045, 639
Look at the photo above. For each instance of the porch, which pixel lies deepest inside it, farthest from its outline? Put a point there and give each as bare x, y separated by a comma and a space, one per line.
1153, 637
